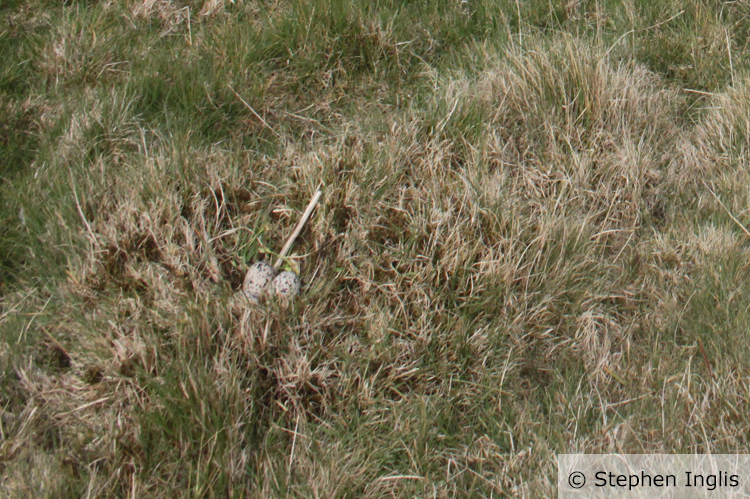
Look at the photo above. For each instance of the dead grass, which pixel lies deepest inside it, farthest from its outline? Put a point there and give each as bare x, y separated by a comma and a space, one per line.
515, 256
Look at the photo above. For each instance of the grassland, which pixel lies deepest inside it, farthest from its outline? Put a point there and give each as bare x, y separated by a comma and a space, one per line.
531, 241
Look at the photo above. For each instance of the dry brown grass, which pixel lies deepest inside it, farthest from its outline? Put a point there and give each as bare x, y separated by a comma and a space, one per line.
527, 261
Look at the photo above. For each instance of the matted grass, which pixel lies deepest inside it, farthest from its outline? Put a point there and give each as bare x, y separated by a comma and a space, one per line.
530, 242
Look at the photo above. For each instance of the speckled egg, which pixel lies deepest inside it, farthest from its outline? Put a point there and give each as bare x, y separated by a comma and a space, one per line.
256, 280
286, 284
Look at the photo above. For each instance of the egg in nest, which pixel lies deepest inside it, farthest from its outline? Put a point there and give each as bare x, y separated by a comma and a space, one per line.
286, 284
256, 280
